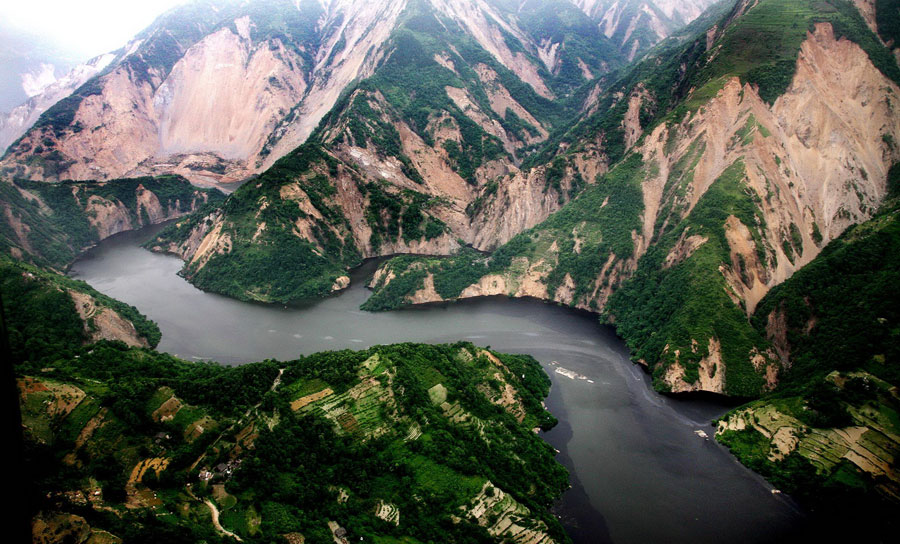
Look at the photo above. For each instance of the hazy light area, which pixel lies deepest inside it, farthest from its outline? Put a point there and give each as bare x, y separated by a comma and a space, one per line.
83, 28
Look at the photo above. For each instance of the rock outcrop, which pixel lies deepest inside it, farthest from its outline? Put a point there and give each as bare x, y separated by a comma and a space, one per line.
737, 192
223, 99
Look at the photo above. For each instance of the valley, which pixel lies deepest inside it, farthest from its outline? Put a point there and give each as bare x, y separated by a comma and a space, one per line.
601, 424
381, 226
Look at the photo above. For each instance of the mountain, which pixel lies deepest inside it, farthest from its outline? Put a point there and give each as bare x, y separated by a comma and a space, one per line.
400, 164
829, 435
736, 160
27, 62
50, 224
47, 313
636, 25
175, 100
692, 184
727, 201
17, 122
123, 443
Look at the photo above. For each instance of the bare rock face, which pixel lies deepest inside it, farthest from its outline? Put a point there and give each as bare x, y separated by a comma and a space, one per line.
818, 157
487, 26
231, 103
813, 163
103, 323
619, 19
15, 123
203, 105
222, 99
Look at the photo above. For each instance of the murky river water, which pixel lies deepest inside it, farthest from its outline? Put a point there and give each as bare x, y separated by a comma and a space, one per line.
640, 471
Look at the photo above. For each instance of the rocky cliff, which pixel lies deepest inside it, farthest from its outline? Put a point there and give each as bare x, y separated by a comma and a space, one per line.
739, 182
51, 224
15, 123
828, 436
218, 91
211, 91
417, 158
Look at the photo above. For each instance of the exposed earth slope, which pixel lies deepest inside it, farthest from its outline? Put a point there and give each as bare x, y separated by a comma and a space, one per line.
830, 433
728, 177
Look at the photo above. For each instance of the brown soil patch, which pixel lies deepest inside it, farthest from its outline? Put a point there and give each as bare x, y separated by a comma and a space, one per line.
197, 428
309, 399
63, 399
167, 410
348, 422
156, 464
29, 385
59, 528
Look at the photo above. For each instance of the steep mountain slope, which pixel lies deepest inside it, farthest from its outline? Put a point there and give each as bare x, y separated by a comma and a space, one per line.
47, 314
738, 159
15, 123
830, 433
52, 223
175, 100
736, 155
401, 165
636, 25
28, 60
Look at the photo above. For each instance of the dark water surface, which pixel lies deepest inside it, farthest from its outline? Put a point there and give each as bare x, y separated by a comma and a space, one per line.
640, 473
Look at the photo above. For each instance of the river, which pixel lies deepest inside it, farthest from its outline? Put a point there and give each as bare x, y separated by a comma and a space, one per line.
640, 470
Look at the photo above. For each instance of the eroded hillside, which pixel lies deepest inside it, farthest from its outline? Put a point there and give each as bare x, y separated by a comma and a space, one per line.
175, 100
728, 192
405, 163
830, 435
52, 223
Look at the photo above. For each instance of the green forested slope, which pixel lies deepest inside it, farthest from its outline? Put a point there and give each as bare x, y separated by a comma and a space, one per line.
830, 433
392, 444
52, 223
673, 298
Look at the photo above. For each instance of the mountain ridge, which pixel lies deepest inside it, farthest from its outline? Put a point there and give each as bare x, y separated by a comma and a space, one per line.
319, 50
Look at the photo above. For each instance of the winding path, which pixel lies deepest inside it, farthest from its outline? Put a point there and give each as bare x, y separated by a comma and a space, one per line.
215, 519
214, 512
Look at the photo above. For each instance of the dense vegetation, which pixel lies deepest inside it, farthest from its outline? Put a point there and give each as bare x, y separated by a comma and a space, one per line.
392, 443
51, 223
272, 263
841, 332
842, 309
672, 305
41, 315
887, 18
563, 23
